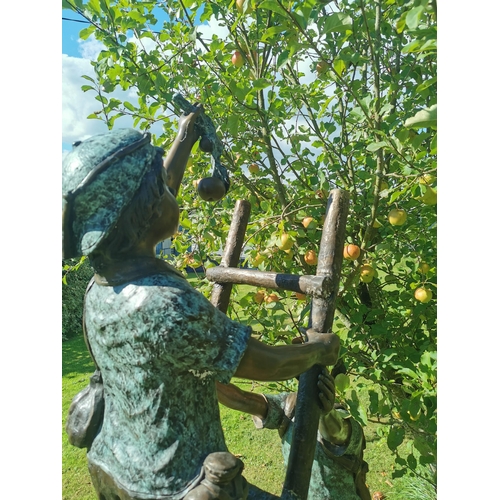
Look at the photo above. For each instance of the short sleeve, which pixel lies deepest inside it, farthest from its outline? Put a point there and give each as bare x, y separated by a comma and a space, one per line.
195, 335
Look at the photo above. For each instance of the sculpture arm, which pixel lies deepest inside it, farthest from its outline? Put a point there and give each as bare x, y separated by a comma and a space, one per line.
178, 155
273, 363
248, 402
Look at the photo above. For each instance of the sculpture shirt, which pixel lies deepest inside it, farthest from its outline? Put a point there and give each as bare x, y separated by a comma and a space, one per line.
160, 346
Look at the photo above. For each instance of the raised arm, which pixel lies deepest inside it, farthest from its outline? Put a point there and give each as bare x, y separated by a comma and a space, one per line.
178, 155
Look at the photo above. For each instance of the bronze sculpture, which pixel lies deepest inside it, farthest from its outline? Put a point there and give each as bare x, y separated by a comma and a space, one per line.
159, 344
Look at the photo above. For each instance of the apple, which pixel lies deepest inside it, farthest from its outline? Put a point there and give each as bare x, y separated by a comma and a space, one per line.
306, 221
397, 217
272, 297
286, 242
430, 196
240, 5
424, 267
423, 294
253, 168
206, 144
311, 258
367, 273
321, 67
351, 252
258, 259
376, 223
288, 255
300, 296
211, 189
259, 297
427, 179
237, 59
384, 185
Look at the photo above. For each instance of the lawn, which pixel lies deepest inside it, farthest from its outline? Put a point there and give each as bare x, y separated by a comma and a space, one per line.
260, 450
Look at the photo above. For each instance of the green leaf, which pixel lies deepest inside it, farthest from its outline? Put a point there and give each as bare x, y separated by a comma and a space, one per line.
261, 83
282, 58
375, 146
400, 25
423, 119
274, 30
271, 5
233, 124
86, 32
413, 17
395, 438
337, 21
129, 106
342, 382
426, 84
339, 66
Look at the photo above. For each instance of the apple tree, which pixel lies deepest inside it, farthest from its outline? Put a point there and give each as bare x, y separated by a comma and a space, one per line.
320, 95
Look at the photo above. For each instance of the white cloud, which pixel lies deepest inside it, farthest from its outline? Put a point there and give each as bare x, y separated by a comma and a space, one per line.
76, 104
90, 48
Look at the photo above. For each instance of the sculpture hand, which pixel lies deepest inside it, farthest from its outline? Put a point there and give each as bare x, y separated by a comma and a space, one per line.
326, 386
330, 342
187, 124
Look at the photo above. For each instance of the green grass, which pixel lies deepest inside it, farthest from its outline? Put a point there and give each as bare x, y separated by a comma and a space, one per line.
260, 450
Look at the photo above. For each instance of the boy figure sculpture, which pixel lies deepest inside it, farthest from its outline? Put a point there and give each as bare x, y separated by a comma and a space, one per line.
338, 471
160, 345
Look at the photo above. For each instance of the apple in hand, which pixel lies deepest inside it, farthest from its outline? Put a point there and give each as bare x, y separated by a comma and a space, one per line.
211, 189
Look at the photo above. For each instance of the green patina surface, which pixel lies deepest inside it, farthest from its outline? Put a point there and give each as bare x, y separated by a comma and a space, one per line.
160, 346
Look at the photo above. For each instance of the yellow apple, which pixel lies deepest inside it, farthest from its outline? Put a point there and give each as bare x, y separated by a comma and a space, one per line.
306, 221
311, 258
258, 259
351, 252
253, 168
321, 67
430, 196
367, 273
427, 179
397, 217
240, 4
286, 242
237, 59
424, 268
423, 294
272, 297
259, 296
